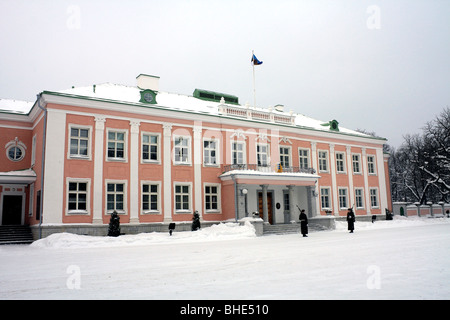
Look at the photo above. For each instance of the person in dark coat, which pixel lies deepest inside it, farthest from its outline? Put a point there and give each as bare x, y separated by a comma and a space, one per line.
350, 220
303, 223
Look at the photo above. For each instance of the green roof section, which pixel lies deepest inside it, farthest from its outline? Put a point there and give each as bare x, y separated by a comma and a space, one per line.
215, 96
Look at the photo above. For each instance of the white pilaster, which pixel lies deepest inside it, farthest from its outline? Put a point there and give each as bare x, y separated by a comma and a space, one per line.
53, 209
97, 217
381, 180
333, 180
167, 183
198, 170
134, 172
366, 181
350, 176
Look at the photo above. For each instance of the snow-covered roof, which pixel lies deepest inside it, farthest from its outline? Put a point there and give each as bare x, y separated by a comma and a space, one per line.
18, 176
175, 101
15, 106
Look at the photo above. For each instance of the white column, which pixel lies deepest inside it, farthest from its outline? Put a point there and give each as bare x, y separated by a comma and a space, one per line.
350, 176
53, 208
134, 171
198, 203
167, 183
366, 181
333, 180
97, 217
381, 180
315, 166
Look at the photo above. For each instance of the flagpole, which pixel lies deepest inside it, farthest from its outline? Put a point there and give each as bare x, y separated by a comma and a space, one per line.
254, 88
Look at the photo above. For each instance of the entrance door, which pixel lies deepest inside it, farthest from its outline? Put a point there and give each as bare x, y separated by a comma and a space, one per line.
12, 210
269, 206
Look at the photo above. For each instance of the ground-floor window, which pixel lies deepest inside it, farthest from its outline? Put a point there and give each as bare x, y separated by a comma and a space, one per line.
343, 203
183, 197
325, 198
374, 197
150, 198
212, 198
77, 197
115, 197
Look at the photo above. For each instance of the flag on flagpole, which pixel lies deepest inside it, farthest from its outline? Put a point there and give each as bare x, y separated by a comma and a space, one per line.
255, 61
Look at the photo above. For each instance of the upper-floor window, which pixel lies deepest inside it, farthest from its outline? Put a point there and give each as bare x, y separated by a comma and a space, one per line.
182, 150
210, 152
116, 145
371, 164
150, 147
323, 161
237, 152
303, 158
356, 163
285, 157
262, 154
340, 162
79, 142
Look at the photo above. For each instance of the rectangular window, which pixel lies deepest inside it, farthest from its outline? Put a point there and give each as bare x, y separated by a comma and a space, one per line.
285, 157
150, 147
77, 197
79, 142
325, 198
116, 145
115, 197
303, 157
371, 164
343, 203
262, 154
182, 150
211, 198
237, 152
359, 198
356, 163
150, 198
286, 201
323, 161
210, 152
182, 198
374, 198
340, 162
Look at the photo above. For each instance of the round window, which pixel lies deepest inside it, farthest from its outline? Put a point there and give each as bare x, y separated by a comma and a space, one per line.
15, 153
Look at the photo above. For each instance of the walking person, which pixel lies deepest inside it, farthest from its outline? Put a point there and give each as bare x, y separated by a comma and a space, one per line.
350, 220
303, 223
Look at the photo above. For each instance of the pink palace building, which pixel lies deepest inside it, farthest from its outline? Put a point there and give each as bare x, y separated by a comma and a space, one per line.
72, 157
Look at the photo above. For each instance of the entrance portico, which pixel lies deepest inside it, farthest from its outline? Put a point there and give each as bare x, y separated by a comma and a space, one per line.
274, 195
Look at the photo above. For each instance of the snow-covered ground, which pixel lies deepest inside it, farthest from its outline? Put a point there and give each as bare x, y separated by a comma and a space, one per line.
407, 258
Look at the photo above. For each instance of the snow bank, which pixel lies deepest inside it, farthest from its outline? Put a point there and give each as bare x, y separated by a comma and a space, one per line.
399, 221
222, 231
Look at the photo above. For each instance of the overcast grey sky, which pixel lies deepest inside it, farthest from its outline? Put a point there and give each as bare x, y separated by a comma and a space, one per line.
383, 66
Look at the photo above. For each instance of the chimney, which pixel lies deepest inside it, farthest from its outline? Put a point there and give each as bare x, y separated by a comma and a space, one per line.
146, 81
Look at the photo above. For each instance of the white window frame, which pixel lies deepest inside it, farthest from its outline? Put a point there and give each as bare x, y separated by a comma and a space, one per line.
158, 146
373, 192
216, 150
301, 156
149, 193
356, 162
287, 155
218, 193
321, 159
88, 197
343, 194
125, 193
372, 164
361, 196
243, 151
189, 194
328, 196
188, 146
263, 154
340, 162
125, 145
89, 142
